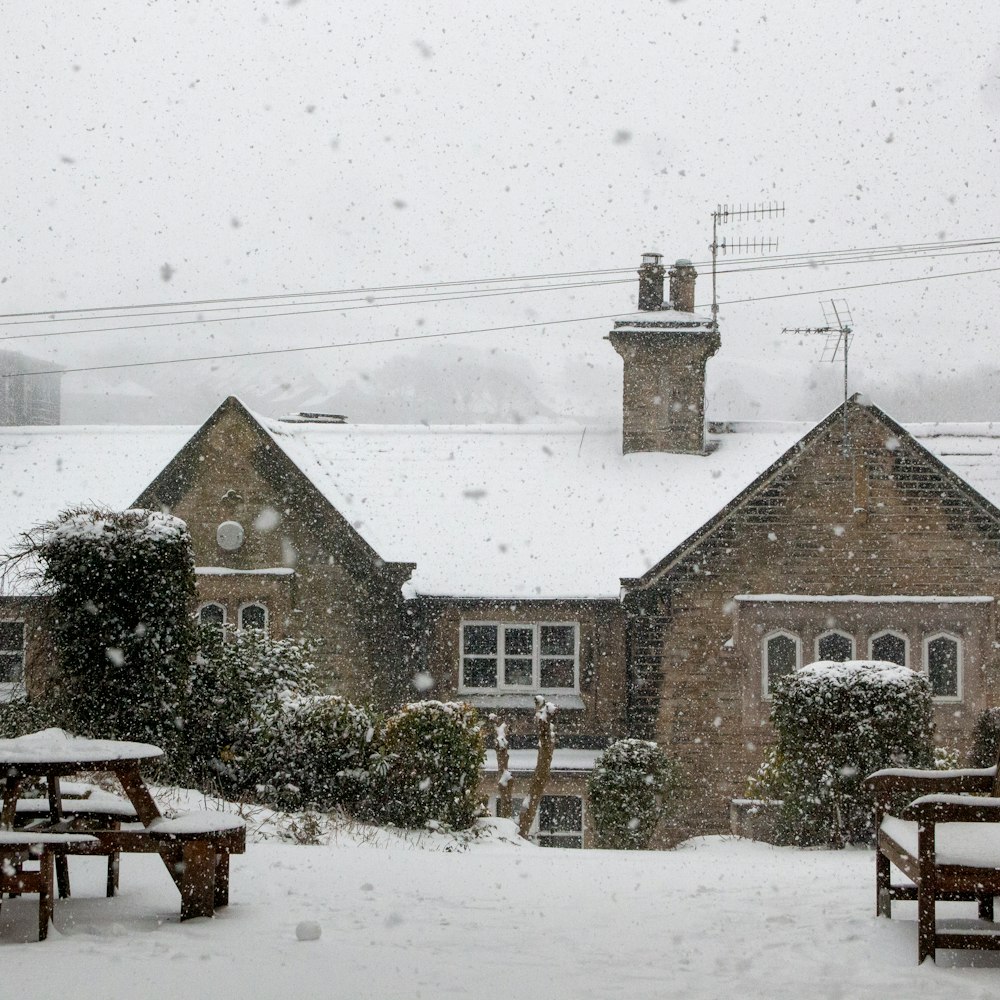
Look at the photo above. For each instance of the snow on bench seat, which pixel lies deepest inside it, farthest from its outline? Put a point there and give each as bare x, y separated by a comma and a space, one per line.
976, 845
20, 838
95, 806
192, 824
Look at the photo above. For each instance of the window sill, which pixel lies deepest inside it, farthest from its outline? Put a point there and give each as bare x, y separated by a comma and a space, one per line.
509, 699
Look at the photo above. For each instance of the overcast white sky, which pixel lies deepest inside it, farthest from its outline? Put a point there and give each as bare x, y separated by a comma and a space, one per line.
265, 147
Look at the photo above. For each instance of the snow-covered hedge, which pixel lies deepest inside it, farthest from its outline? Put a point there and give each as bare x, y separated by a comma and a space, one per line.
836, 723
238, 682
308, 752
433, 752
630, 792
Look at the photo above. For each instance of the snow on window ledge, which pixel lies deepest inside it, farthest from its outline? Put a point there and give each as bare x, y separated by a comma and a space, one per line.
564, 702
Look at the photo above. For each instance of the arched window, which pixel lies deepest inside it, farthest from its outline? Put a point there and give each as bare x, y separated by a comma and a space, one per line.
253, 616
836, 646
780, 654
943, 663
892, 647
212, 614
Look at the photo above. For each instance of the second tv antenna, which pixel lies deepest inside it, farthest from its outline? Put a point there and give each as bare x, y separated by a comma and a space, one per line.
839, 334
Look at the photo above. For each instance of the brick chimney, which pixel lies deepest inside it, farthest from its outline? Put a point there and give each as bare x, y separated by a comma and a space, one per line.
651, 282
665, 354
682, 276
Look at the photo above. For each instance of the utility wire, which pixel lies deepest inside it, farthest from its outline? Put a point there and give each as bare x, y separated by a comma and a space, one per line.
461, 333
369, 290
428, 299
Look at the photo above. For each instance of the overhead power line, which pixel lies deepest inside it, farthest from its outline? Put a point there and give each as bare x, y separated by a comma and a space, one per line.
427, 298
460, 333
281, 297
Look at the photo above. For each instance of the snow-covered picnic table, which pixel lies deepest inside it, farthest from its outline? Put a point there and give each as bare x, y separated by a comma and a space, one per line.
195, 848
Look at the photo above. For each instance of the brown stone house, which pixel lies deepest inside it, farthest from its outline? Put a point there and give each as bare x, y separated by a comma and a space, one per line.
650, 580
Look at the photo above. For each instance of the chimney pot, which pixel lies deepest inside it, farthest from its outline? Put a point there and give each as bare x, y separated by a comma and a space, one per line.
651, 282
682, 277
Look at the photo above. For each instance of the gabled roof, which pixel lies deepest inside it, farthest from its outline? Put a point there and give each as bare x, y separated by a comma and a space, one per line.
484, 511
966, 446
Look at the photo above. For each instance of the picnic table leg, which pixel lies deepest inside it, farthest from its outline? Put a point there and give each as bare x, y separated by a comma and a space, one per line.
986, 908
883, 889
926, 893
44, 894
55, 815
222, 879
198, 880
137, 792
11, 790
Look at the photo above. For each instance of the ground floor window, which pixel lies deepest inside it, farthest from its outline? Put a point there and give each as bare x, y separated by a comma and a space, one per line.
942, 657
212, 614
835, 646
890, 647
558, 822
781, 656
11, 653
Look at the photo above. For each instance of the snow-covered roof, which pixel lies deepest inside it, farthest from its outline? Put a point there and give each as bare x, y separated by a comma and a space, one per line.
484, 511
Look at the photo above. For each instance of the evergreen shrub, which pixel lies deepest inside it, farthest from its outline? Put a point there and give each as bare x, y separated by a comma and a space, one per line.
238, 679
631, 790
308, 752
120, 586
835, 724
986, 738
432, 752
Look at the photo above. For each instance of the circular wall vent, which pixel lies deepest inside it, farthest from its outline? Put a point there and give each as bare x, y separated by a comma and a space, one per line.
229, 535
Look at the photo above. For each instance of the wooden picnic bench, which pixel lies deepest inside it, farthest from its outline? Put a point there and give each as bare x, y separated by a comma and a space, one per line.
195, 847
18, 848
946, 841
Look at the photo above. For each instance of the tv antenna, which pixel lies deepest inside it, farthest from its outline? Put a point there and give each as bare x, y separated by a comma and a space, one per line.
839, 335
724, 214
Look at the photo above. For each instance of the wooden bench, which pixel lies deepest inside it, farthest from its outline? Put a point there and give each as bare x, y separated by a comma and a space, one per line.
946, 841
196, 847
100, 811
20, 847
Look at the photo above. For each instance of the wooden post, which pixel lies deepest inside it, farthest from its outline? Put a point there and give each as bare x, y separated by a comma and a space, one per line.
927, 892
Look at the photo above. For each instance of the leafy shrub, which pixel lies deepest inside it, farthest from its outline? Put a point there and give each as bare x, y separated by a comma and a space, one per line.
120, 586
236, 680
630, 791
836, 723
433, 752
986, 738
307, 752
19, 716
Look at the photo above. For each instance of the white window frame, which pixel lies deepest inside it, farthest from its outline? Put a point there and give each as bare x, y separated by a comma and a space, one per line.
255, 604
212, 604
959, 656
533, 832
10, 689
840, 632
896, 634
536, 658
764, 642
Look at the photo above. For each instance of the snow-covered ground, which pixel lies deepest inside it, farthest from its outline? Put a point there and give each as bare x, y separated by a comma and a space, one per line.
487, 917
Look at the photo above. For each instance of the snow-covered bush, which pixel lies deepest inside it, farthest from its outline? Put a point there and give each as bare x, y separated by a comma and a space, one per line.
986, 738
19, 716
120, 587
310, 752
630, 792
433, 752
237, 680
836, 723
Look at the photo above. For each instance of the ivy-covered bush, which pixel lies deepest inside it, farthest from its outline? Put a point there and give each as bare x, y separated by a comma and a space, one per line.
237, 680
631, 788
120, 586
986, 738
835, 724
433, 752
19, 716
308, 752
